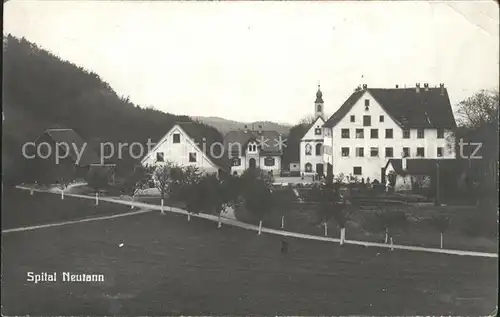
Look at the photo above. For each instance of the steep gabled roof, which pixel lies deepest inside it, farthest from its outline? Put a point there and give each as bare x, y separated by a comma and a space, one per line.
409, 108
73, 140
242, 138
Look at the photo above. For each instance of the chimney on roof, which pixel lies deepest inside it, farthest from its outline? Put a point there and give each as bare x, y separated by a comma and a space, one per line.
417, 88
442, 89
246, 128
397, 86
426, 86
260, 128
364, 86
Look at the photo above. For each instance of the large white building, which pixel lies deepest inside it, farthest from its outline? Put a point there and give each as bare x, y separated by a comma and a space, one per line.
183, 146
311, 144
375, 125
254, 149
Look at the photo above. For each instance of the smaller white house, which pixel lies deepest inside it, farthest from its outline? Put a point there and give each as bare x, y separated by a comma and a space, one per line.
411, 174
294, 167
311, 149
311, 144
254, 149
183, 145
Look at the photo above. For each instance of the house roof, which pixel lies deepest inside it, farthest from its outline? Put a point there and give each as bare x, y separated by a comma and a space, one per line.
409, 108
73, 140
270, 146
422, 166
202, 140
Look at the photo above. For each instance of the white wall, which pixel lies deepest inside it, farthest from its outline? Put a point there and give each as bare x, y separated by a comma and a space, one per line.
276, 168
312, 139
178, 153
295, 167
371, 166
259, 163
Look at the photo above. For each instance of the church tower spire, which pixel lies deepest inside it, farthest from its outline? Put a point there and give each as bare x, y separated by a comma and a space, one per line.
318, 104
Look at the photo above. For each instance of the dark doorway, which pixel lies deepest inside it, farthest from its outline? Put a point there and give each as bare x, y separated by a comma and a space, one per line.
319, 169
252, 163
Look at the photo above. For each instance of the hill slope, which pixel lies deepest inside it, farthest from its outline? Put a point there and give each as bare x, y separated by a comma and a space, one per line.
42, 91
225, 125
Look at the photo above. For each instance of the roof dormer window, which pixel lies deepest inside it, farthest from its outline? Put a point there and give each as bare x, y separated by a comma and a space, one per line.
252, 147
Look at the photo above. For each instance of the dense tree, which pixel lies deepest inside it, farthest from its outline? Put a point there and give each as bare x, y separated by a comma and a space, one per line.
135, 181
97, 180
42, 91
291, 151
479, 118
257, 194
391, 221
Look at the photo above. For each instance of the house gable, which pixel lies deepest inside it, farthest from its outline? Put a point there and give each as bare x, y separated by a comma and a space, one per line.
178, 152
311, 131
358, 109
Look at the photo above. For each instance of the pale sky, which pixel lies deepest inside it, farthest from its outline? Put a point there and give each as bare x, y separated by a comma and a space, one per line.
263, 60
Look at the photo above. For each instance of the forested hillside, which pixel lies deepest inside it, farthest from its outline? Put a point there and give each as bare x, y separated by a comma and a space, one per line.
42, 91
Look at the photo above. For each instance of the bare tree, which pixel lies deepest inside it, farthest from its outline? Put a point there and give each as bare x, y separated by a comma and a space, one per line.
479, 109
163, 179
307, 120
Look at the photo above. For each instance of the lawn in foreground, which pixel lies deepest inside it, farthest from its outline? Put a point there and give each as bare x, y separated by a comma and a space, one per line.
20, 208
169, 267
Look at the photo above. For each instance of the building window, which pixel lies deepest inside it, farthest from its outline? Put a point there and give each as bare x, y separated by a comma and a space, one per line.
388, 134
406, 152
356, 170
309, 167
374, 133
353, 118
420, 152
440, 151
345, 151
374, 152
192, 157
367, 103
367, 121
236, 161
160, 157
440, 133
389, 152
420, 133
360, 152
269, 161
360, 133
381, 118
345, 133
308, 149
317, 131
252, 147
406, 134
319, 147
176, 138
318, 108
